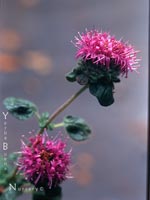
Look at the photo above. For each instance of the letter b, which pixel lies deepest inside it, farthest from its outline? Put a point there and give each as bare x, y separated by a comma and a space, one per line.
5, 146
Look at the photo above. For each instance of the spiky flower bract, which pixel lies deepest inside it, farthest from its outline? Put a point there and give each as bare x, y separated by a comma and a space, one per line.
45, 162
102, 59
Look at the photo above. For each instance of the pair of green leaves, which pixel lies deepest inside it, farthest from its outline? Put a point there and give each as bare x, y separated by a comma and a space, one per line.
76, 127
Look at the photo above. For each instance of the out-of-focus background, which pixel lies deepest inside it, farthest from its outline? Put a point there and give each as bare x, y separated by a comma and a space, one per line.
36, 52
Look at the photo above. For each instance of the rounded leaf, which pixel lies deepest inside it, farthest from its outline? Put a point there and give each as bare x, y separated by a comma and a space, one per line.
20, 108
106, 98
71, 76
103, 92
77, 128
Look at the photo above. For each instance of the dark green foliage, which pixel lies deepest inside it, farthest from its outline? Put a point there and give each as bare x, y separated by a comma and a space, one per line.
71, 76
103, 92
77, 128
51, 194
20, 108
43, 120
99, 78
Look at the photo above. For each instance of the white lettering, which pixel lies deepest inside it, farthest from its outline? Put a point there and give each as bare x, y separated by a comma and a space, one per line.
12, 187
5, 114
5, 146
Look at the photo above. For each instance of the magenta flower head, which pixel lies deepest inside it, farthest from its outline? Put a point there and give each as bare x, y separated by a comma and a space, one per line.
45, 162
103, 49
103, 59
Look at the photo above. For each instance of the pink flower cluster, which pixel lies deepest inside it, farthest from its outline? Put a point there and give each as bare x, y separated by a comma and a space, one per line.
103, 49
44, 161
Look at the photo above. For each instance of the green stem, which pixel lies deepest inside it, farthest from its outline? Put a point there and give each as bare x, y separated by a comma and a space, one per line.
62, 107
58, 125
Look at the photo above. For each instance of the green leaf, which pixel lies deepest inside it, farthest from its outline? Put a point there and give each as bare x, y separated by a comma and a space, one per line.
77, 128
103, 92
71, 76
43, 120
96, 89
20, 108
106, 98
